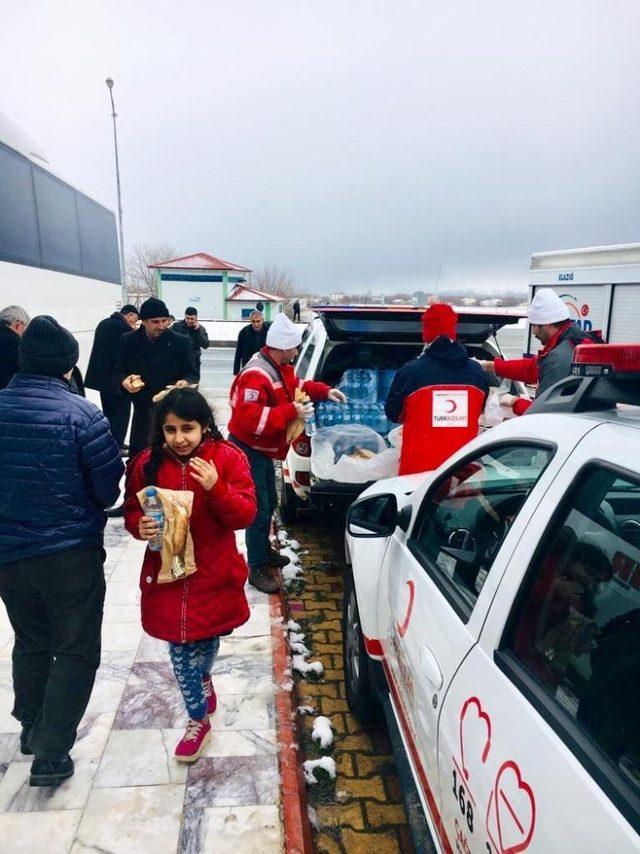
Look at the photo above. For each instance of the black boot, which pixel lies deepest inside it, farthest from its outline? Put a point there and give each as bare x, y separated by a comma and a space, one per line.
276, 559
262, 580
47, 772
24, 740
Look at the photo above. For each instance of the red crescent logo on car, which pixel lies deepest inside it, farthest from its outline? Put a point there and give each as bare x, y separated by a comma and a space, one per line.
402, 629
454, 405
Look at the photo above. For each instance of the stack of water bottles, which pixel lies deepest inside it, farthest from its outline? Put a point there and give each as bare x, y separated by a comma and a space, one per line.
366, 390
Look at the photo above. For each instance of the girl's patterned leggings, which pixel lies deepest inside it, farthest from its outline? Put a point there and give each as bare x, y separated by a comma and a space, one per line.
191, 663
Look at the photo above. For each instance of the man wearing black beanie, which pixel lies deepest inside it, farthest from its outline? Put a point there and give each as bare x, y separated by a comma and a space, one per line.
59, 469
150, 359
102, 363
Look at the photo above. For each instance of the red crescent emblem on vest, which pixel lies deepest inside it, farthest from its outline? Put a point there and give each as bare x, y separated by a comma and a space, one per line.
402, 629
453, 404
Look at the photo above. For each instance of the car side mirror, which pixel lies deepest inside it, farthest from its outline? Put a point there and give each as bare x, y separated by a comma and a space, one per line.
374, 516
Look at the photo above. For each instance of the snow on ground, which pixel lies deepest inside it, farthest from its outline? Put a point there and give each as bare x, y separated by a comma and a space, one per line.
325, 762
322, 731
305, 667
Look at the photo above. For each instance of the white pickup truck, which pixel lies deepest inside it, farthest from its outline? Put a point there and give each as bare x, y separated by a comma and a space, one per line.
493, 608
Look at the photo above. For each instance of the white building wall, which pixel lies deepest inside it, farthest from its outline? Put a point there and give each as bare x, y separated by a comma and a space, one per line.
206, 297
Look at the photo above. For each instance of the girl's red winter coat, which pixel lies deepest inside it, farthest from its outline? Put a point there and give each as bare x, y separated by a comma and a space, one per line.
211, 601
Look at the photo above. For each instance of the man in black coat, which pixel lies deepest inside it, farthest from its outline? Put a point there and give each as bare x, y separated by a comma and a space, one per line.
159, 357
13, 322
196, 333
102, 362
251, 338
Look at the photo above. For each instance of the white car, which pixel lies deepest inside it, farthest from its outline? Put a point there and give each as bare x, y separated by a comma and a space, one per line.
493, 607
374, 337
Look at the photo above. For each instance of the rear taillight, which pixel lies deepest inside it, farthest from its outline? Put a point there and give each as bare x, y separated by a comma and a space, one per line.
302, 445
302, 477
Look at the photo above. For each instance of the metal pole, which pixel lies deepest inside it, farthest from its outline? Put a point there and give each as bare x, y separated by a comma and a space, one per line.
114, 115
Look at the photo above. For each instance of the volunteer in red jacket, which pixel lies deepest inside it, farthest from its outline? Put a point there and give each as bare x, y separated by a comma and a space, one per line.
262, 406
550, 324
438, 397
188, 453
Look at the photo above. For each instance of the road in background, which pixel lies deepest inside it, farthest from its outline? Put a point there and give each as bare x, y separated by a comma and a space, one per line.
216, 368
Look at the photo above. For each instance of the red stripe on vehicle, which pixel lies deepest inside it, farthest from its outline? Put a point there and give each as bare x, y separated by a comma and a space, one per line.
422, 777
373, 647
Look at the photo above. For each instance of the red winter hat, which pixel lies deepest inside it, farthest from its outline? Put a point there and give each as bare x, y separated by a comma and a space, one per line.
439, 319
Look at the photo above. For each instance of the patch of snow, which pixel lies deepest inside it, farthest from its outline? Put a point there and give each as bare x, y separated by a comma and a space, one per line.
342, 796
296, 636
292, 626
287, 686
313, 818
283, 537
325, 762
306, 710
277, 620
322, 731
290, 572
305, 667
293, 557
294, 544
300, 648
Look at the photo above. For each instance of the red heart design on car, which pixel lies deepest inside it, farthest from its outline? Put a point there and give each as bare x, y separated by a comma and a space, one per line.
402, 629
515, 809
474, 703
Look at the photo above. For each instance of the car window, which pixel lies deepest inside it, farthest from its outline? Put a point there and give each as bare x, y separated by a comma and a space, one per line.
467, 514
305, 359
576, 628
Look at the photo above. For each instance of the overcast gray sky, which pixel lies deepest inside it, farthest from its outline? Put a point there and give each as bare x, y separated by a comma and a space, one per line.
357, 143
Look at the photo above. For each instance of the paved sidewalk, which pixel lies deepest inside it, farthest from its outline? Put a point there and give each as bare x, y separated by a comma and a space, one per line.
128, 794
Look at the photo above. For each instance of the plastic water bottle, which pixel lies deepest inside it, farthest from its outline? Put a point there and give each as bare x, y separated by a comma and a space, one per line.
310, 425
153, 509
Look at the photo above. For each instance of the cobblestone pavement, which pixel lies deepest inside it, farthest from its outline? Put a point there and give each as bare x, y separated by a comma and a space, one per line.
363, 810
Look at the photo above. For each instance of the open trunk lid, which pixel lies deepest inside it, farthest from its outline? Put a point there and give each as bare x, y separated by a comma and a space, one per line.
402, 324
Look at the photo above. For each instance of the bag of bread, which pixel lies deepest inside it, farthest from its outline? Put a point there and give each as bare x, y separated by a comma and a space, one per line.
296, 428
178, 560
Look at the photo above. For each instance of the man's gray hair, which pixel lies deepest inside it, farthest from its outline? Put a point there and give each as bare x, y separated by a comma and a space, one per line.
14, 314
256, 313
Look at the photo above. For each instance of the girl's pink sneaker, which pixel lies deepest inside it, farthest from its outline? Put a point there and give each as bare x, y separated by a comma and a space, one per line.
210, 694
194, 740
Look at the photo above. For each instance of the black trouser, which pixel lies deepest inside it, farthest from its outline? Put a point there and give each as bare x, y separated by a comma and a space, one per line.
140, 427
117, 409
55, 606
296, 315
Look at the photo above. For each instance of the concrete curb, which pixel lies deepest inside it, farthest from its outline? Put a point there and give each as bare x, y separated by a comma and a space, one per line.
297, 830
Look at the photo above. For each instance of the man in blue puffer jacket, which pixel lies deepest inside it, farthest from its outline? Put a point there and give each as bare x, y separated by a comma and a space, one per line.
59, 469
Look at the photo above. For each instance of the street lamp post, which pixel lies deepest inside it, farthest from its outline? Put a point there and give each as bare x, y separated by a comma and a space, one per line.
114, 115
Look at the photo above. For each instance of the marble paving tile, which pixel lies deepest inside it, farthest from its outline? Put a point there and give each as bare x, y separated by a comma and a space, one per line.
227, 830
9, 744
121, 636
16, 795
257, 624
93, 733
140, 758
255, 597
243, 712
225, 742
233, 645
121, 614
115, 534
152, 649
131, 820
236, 675
7, 722
122, 593
40, 832
151, 699
111, 679
232, 781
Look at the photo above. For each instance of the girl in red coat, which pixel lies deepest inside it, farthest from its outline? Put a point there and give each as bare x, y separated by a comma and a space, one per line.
188, 452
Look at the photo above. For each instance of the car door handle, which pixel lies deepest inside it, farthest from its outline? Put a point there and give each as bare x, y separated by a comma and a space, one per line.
430, 667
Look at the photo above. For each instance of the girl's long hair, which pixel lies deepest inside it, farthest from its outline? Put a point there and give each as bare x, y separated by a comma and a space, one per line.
185, 403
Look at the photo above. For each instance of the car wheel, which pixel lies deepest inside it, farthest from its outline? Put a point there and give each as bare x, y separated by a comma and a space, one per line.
360, 697
289, 503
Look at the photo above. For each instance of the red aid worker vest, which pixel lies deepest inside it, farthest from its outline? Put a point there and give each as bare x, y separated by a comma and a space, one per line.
437, 421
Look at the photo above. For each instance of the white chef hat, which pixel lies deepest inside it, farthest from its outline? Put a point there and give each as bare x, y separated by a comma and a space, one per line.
547, 307
283, 334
